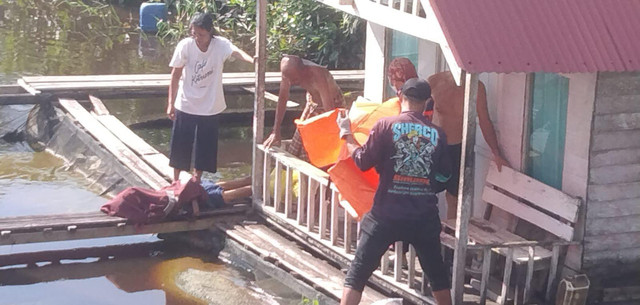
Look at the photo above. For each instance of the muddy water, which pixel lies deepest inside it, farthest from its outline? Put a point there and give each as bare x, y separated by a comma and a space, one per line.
43, 37
162, 279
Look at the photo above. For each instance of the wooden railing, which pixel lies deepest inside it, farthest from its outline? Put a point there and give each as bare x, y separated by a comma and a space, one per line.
413, 7
316, 211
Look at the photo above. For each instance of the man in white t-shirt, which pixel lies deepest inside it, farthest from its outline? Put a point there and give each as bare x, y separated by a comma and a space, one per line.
196, 96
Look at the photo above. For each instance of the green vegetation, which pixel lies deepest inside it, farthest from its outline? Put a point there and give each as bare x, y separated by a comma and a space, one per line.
67, 37
307, 301
305, 28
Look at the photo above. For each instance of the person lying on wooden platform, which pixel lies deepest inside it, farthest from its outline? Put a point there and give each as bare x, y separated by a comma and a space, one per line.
142, 205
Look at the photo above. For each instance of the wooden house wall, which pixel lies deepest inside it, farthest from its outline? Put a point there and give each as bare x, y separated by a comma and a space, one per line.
612, 232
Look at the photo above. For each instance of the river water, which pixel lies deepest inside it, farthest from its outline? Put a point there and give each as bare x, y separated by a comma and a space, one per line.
52, 37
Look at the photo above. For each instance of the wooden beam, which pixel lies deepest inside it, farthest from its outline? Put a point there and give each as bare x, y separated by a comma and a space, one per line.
59, 234
28, 87
311, 203
465, 189
266, 180
486, 269
258, 102
119, 250
288, 192
389, 17
529, 276
272, 97
303, 181
113, 144
507, 277
98, 106
553, 268
335, 203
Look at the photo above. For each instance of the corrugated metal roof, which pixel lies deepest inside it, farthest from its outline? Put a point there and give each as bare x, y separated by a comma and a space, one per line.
543, 35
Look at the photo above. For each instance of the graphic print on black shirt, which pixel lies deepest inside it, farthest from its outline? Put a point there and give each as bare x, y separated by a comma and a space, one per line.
414, 145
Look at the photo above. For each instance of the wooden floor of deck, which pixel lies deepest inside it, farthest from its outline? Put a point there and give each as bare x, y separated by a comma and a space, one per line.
157, 84
45, 228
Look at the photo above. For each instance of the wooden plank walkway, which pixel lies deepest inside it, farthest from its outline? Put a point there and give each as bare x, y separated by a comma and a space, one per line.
117, 85
32, 229
286, 254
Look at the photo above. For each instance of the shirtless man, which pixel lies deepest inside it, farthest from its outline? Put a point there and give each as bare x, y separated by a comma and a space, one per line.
449, 114
323, 94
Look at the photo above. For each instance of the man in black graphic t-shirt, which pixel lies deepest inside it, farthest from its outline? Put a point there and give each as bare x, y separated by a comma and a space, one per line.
408, 152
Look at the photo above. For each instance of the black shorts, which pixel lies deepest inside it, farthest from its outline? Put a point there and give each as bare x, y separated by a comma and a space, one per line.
375, 238
201, 128
455, 151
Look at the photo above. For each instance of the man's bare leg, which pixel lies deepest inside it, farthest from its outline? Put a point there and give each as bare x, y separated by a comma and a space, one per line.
350, 296
443, 297
452, 205
176, 174
197, 174
237, 193
234, 184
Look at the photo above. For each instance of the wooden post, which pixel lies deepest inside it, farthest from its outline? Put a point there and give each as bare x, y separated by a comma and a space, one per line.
465, 189
258, 102
486, 268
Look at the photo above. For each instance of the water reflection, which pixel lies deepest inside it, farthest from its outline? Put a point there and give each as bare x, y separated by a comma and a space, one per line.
149, 280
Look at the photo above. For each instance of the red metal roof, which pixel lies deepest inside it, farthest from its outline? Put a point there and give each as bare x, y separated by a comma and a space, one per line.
542, 35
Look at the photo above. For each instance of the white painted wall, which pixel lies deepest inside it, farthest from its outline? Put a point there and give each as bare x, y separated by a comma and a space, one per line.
575, 173
374, 62
427, 58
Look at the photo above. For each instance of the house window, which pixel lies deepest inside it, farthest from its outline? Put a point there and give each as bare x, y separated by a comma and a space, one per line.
400, 45
547, 126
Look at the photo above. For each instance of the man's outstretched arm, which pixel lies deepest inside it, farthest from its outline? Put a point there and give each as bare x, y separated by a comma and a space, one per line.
488, 131
281, 108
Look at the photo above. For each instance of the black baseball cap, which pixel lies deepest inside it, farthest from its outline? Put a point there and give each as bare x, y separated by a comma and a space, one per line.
417, 89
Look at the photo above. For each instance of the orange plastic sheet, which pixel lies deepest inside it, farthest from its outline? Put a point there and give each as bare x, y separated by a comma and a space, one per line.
320, 137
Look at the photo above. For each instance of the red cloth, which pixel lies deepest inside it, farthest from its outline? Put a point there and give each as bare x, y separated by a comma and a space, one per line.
142, 205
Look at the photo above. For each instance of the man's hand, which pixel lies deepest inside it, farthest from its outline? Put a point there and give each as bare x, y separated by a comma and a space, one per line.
171, 111
500, 161
273, 139
344, 123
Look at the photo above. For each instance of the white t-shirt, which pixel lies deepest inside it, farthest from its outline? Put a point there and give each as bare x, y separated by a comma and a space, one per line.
200, 91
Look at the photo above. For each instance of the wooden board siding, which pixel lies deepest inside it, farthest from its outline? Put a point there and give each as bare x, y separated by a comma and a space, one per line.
615, 139
618, 104
615, 157
613, 211
614, 208
615, 174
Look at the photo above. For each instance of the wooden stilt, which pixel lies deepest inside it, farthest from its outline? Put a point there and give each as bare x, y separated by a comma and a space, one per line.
465, 189
258, 104
552, 271
486, 268
507, 277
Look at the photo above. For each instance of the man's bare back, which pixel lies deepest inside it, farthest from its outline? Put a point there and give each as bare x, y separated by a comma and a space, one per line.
313, 78
448, 110
448, 113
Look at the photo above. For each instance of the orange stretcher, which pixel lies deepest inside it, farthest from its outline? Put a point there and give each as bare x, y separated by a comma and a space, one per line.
321, 140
